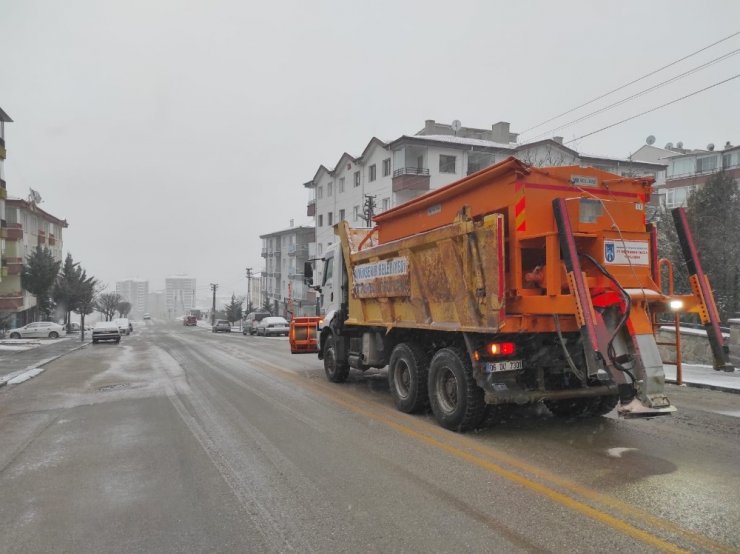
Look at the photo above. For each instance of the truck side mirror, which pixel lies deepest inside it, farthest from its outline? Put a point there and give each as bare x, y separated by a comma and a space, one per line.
308, 273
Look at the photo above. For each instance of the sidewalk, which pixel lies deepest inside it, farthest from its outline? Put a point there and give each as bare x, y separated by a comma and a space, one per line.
705, 376
15, 362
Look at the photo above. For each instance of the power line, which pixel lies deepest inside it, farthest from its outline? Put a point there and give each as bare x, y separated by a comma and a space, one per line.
654, 109
640, 93
632, 82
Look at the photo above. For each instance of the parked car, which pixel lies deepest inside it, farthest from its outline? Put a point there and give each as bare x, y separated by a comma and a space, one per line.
147, 316
106, 330
190, 321
249, 325
39, 329
221, 326
272, 326
124, 325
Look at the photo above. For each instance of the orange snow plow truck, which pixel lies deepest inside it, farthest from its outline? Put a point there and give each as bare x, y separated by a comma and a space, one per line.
510, 286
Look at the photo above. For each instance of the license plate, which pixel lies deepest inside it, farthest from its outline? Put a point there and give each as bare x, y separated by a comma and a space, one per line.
509, 365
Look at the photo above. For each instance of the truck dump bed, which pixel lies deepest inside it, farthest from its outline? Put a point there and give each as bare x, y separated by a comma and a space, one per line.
450, 278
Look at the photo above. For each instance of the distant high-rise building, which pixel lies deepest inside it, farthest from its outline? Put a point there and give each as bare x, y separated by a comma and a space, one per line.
157, 304
135, 291
179, 295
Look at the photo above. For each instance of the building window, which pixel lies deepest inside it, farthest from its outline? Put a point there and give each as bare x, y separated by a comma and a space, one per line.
386, 203
341, 215
320, 249
341, 185
357, 213
357, 178
371, 173
330, 218
726, 161
321, 220
386, 167
708, 163
329, 189
447, 163
319, 193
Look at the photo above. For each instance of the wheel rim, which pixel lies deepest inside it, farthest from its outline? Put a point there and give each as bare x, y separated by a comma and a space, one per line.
331, 365
446, 388
402, 379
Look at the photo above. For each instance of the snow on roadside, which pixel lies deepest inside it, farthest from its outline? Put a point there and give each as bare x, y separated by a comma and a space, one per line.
26, 375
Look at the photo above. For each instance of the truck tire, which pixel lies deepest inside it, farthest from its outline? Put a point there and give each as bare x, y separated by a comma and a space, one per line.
456, 399
408, 372
336, 371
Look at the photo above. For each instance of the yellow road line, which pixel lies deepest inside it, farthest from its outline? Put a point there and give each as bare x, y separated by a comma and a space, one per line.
558, 497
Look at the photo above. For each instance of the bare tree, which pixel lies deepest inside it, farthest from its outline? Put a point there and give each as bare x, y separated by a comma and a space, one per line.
107, 304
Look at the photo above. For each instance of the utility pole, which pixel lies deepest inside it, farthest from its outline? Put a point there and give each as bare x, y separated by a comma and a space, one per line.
214, 286
368, 209
249, 289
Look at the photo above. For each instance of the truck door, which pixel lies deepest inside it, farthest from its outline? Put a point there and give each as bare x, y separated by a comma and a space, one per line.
328, 290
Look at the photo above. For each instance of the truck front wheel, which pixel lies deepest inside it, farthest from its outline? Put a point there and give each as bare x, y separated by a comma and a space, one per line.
407, 377
456, 399
336, 370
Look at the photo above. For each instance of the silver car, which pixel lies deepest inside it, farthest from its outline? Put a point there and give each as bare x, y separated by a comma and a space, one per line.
37, 330
273, 326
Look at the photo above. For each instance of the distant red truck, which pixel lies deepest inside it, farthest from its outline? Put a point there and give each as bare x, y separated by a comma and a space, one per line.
190, 320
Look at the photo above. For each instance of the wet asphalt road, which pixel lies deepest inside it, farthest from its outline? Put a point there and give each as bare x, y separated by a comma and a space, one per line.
179, 440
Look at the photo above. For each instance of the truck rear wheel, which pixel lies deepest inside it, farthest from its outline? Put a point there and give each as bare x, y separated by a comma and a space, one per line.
336, 371
456, 399
408, 372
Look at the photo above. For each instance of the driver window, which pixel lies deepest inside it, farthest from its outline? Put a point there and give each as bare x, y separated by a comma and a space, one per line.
328, 268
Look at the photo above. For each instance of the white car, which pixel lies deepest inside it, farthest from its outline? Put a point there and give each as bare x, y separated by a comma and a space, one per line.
106, 330
40, 329
124, 325
273, 326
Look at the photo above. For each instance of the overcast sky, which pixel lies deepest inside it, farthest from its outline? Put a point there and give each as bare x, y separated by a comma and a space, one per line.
171, 134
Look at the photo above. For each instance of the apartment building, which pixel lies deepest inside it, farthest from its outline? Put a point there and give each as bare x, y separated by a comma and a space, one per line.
25, 227
4, 118
136, 292
156, 304
688, 169
397, 171
179, 295
285, 253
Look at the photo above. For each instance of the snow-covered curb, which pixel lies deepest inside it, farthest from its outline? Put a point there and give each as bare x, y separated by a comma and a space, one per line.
26, 375
10, 378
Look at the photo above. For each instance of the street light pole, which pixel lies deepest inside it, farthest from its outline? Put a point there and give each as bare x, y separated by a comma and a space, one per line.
214, 286
249, 289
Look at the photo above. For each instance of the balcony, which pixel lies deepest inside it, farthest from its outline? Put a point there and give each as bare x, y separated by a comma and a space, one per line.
11, 302
13, 231
42, 237
410, 178
311, 208
52, 239
264, 252
12, 266
3, 190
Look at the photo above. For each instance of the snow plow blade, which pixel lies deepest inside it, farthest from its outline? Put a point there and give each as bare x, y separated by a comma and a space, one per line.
635, 409
303, 335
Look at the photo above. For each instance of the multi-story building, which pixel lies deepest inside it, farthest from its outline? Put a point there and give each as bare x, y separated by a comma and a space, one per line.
397, 171
285, 254
687, 170
4, 118
136, 292
179, 295
25, 227
157, 305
